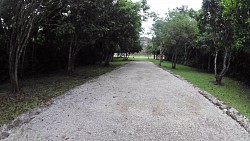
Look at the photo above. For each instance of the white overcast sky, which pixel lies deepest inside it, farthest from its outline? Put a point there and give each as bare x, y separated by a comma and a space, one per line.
161, 7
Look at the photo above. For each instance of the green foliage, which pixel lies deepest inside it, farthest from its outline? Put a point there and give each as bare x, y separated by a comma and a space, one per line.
97, 28
176, 32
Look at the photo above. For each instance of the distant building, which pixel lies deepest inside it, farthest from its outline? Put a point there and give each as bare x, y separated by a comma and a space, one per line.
144, 43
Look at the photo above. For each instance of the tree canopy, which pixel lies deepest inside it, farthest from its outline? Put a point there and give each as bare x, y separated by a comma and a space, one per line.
40, 35
220, 30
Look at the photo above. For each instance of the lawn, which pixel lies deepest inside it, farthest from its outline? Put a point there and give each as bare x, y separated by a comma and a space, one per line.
39, 90
234, 93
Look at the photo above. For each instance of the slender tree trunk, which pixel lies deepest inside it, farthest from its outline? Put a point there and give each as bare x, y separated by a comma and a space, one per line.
215, 67
197, 59
160, 61
185, 56
112, 57
226, 65
209, 63
106, 64
161, 53
70, 69
33, 59
107, 59
13, 69
174, 59
22, 63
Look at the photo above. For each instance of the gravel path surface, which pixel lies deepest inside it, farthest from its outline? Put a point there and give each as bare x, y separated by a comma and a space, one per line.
137, 102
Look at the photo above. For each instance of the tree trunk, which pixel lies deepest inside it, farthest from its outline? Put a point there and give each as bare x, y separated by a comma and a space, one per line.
215, 65
185, 56
22, 62
174, 59
209, 63
154, 55
107, 59
197, 59
226, 65
70, 69
106, 64
112, 57
13, 69
160, 60
32, 58
161, 53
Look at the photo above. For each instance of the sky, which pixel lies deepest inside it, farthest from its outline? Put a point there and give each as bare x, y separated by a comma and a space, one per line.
161, 7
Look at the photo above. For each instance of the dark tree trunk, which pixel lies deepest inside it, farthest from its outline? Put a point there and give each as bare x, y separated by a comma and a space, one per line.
226, 65
197, 59
215, 65
107, 59
185, 55
70, 61
13, 70
174, 59
209, 63
22, 62
112, 57
161, 53
73, 52
32, 59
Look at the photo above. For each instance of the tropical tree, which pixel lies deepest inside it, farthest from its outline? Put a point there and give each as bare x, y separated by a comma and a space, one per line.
19, 20
219, 26
175, 33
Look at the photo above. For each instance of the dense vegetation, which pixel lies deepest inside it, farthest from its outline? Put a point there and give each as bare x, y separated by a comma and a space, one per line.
38, 36
215, 38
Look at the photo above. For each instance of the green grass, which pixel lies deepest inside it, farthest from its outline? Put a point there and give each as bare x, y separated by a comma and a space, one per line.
38, 91
234, 93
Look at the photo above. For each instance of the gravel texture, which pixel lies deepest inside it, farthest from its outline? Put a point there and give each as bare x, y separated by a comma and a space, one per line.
136, 102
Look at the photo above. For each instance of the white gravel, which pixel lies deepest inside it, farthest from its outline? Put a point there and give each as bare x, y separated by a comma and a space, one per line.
137, 102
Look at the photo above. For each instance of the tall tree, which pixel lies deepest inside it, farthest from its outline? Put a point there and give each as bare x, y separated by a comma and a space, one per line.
220, 29
20, 20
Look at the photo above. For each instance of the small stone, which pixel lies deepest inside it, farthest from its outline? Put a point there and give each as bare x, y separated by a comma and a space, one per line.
214, 100
223, 106
65, 137
4, 135
224, 111
4, 128
232, 110
17, 122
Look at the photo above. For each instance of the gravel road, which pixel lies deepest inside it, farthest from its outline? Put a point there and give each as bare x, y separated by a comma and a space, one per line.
137, 102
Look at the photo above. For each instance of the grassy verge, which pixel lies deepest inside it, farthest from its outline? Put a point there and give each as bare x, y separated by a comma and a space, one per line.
38, 91
234, 93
